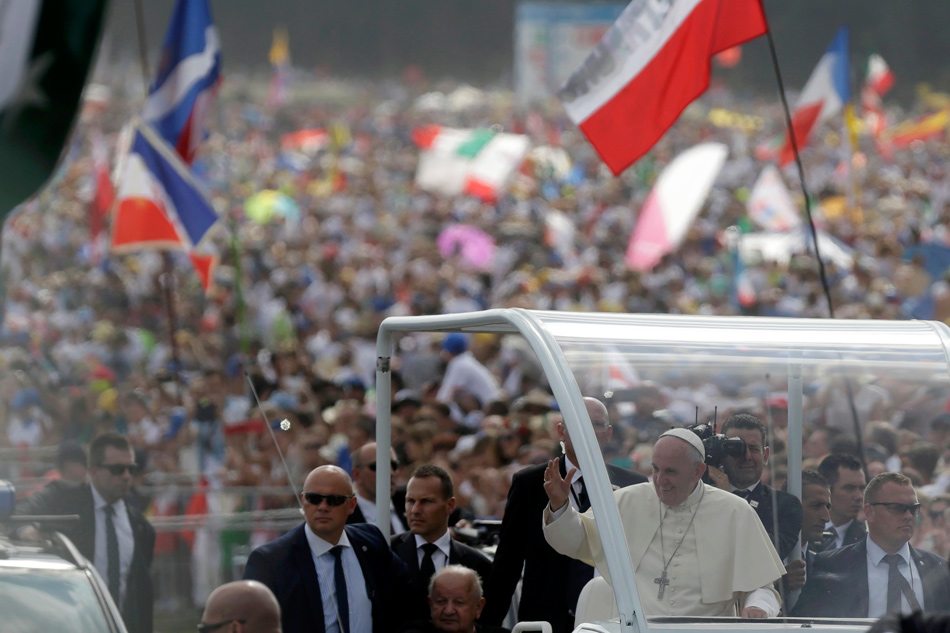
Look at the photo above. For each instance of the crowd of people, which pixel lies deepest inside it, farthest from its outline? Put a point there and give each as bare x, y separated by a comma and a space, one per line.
285, 336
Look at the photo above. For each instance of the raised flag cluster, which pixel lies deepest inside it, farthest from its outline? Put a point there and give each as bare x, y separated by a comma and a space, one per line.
651, 64
160, 205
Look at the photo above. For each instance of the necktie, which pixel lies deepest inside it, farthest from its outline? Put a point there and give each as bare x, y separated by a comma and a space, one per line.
583, 501
896, 585
112, 554
745, 494
427, 569
339, 581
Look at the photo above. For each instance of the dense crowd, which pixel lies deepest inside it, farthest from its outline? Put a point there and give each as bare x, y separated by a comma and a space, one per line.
291, 318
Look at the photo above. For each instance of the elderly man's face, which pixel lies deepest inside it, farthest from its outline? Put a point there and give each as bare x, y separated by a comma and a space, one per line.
453, 605
674, 474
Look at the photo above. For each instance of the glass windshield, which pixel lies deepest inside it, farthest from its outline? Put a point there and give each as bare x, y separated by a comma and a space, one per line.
49, 600
761, 394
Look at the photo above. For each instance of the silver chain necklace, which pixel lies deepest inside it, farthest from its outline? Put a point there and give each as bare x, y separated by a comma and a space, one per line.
662, 580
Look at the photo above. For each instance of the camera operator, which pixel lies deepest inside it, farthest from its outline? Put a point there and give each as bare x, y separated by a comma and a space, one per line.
741, 474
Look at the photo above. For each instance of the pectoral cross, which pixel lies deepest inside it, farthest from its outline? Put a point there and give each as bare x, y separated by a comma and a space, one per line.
663, 581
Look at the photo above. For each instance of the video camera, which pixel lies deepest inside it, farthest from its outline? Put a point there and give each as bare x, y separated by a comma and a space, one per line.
717, 445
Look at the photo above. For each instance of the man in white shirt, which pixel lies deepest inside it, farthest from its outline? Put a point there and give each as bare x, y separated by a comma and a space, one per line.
463, 372
364, 479
428, 546
330, 577
845, 476
110, 532
816, 508
680, 569
882, 573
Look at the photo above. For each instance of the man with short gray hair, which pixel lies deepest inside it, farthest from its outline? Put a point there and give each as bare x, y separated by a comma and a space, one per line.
455, 602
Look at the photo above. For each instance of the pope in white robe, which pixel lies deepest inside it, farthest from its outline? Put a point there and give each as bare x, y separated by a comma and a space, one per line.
695, 549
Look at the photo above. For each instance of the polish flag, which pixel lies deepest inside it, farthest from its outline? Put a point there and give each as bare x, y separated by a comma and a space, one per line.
823, 96
673, 204
880, 79
651, 64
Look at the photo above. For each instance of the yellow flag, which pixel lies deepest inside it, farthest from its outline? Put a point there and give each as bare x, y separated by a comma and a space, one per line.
280, 49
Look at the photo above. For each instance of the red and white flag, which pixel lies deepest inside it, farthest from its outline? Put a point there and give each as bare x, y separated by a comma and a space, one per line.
651, 64
880, 79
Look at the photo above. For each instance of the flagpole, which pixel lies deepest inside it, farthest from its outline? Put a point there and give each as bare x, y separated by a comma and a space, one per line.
801, 172
849, 390
166, 277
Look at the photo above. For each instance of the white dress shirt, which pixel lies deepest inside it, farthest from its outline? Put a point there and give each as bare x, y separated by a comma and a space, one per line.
123, 532
877, 579
839, 531
357, 600
368, 508
440, 557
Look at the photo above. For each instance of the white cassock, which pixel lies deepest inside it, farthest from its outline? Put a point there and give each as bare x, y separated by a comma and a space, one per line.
724, 555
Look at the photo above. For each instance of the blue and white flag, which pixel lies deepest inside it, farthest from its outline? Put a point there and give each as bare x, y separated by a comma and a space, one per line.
188, 73
160, 206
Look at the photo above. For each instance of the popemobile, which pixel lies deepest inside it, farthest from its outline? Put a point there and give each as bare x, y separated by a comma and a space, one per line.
788, 373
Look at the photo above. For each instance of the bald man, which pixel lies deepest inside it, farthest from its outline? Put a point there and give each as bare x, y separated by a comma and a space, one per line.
245, 602
330, 576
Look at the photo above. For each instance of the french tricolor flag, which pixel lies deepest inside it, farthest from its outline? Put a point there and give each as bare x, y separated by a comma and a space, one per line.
160, 206
651, 64
188, 73
823, 96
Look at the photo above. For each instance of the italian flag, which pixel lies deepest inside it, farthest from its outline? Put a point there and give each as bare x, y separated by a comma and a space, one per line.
477, 163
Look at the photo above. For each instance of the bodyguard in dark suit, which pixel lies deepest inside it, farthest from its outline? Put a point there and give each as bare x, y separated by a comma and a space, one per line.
883, 573
744, 475
552, 582
428, 546
113, 535
816, 505
364, 480
330, 577
845, 475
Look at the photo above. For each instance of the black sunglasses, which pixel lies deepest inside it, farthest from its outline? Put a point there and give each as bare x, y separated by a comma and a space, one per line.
117, 470
334, 501
900, 508
393, 464
207, 628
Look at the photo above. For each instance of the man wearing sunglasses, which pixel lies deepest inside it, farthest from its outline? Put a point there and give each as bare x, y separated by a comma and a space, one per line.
882, 573
364, 478
328, 576
242, 606
110, 532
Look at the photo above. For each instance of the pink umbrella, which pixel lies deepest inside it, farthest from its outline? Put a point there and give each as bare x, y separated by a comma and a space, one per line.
475, 247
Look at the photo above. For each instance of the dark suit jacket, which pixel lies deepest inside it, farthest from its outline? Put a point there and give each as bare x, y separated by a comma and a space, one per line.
404, 546
60, 497
789, 517
286, 566
837, 583
522, 544
855, 533
399, 502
